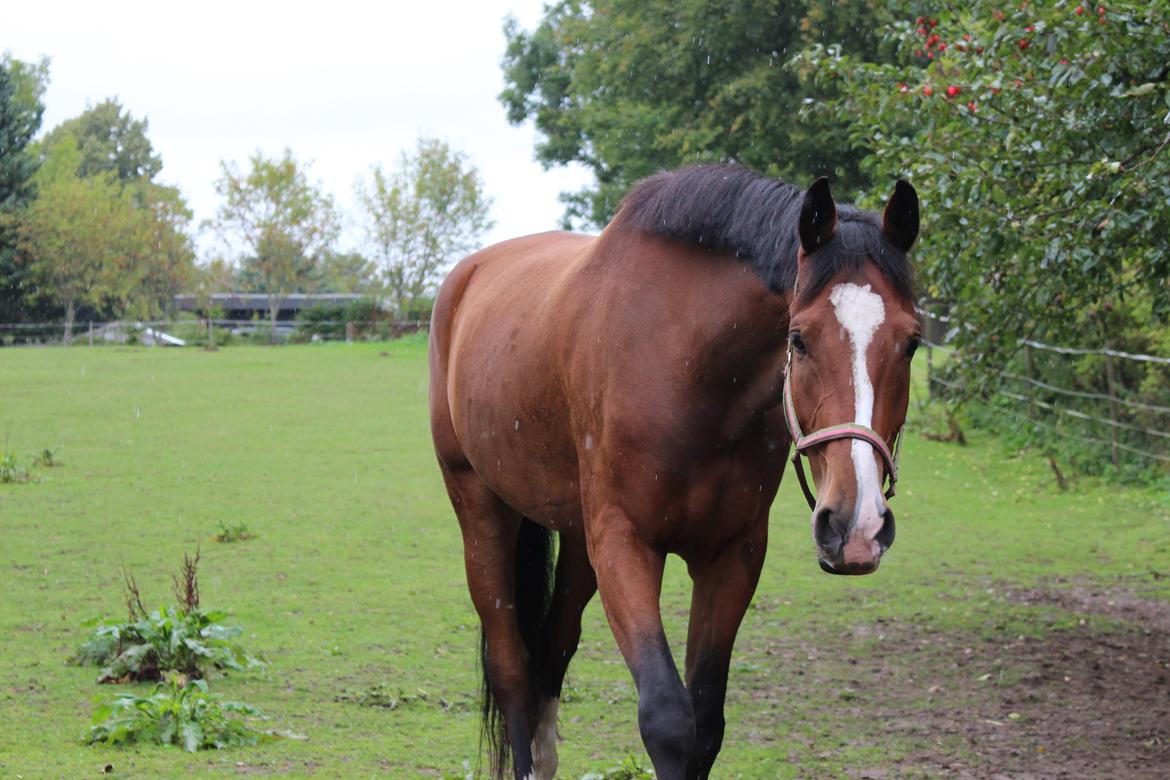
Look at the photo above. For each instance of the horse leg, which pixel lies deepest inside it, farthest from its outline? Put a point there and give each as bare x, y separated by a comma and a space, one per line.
723, 588
574, 587
629, 579
491, 531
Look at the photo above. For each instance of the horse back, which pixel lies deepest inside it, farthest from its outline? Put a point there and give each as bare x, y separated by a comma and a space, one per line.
569, 370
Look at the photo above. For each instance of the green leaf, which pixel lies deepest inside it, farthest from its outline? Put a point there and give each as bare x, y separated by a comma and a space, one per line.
192, 736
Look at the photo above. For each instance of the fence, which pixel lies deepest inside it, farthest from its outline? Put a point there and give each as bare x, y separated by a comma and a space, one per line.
203, 332
1081, 394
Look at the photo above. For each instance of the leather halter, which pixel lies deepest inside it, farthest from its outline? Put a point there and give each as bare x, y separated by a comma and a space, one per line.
831, 433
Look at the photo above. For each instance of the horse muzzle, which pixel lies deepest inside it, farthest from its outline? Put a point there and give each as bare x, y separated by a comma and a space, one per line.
846, 546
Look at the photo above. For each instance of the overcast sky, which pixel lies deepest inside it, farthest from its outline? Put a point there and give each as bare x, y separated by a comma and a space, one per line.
343, 84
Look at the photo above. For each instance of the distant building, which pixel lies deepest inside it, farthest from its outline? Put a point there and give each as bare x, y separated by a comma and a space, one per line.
245, 306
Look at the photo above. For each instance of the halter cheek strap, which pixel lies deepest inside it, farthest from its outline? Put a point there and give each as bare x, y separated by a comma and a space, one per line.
831, 433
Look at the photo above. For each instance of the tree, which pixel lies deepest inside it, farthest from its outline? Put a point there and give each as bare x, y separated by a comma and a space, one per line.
76, 236
1038, 134
346, 272
284, 223
422, 216
110, 140
164, 253
628, 88
113, 167
22, 87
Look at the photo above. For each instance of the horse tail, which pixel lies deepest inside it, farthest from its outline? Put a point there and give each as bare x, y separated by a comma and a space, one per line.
534, 581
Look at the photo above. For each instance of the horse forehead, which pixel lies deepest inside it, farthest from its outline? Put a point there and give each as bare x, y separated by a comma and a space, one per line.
859, 309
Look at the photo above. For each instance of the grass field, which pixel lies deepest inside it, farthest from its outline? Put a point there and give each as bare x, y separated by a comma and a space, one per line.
1011, 629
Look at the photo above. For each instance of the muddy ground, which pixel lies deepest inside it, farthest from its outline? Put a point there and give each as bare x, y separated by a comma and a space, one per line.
1087, 698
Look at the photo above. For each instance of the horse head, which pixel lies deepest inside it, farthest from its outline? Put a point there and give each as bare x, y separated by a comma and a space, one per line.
852, 333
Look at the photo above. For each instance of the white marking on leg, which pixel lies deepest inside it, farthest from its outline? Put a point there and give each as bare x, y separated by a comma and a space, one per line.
860, 311
544, 742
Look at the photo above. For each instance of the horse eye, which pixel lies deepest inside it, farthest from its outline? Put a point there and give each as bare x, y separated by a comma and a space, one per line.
796, 341
912, 346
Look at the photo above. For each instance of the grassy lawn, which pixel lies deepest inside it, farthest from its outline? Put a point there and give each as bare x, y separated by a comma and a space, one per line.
935, 666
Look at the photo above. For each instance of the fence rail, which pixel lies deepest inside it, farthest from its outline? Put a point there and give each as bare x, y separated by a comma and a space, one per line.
1103, 408
181, 332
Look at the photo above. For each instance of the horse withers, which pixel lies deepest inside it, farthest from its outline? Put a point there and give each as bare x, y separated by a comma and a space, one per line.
627, 393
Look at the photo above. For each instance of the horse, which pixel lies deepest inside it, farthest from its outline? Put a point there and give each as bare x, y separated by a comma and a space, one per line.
628, 393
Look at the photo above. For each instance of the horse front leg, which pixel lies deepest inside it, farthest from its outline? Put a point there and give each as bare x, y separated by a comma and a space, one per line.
629, 579
723, 588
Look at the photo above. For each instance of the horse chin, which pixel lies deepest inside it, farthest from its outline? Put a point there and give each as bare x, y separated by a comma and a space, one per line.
853, 569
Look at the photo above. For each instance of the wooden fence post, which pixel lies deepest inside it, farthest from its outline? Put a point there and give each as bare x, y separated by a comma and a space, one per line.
349, 331
1111, 385
91, 333
929, 371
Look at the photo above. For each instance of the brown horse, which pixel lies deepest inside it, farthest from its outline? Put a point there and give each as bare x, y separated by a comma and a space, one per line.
625, 392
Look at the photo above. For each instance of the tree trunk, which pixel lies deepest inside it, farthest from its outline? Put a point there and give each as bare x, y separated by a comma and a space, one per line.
273, 308
70, 315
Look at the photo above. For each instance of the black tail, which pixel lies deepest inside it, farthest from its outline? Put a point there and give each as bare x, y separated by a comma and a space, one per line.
534, 580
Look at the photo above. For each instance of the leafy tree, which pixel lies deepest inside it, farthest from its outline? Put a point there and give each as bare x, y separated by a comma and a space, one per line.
627, 88
283, 222
22, 87
422, 216
138, 253
346, 272
164, 252
111, 140
76, 237
1038, 135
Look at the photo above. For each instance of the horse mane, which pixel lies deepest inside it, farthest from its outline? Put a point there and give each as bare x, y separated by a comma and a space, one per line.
730, 209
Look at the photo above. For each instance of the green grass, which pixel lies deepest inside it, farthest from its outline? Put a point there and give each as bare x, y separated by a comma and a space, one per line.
355, 583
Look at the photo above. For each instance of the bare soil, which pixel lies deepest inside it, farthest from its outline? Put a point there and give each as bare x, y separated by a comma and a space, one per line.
1087, 698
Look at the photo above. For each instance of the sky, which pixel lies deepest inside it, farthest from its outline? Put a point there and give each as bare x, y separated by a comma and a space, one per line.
342, 84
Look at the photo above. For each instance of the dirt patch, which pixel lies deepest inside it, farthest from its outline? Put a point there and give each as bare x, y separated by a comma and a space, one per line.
1124, 605
1077, 701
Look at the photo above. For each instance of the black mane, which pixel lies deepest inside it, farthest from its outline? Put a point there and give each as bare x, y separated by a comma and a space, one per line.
727, 208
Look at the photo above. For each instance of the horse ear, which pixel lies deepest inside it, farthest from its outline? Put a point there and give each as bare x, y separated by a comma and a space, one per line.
818, 216
900, 219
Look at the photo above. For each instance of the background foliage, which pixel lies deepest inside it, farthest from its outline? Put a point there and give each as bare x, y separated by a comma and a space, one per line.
629, 88
1038, 136
421, 217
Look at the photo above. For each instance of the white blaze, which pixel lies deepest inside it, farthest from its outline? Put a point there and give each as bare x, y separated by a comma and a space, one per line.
860, 311
544, 743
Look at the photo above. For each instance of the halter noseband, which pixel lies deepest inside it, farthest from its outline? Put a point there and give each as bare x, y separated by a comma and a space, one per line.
832, 432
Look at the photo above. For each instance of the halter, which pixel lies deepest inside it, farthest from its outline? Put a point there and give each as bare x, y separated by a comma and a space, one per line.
832, 432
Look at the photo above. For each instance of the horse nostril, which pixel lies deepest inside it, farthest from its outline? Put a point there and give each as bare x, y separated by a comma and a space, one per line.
829, 531
885, 537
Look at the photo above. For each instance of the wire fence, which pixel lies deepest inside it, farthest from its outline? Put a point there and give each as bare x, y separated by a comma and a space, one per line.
202, 333
1116, 401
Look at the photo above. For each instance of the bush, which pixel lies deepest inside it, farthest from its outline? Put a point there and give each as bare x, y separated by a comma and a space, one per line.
328, 321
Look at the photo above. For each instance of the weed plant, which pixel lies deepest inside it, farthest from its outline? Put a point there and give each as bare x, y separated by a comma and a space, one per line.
11, 472
178, 712
233, 532
183, 639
